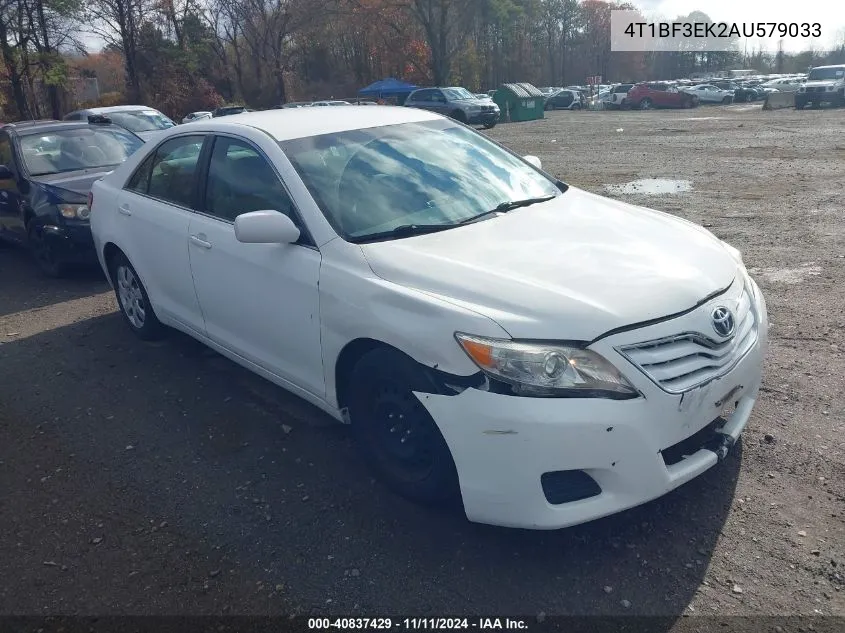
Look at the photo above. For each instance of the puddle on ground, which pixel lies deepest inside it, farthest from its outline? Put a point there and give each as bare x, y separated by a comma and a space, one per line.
787, 275
651, 187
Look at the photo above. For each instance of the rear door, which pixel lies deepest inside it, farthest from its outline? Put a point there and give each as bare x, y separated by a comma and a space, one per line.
260, 301
156, 206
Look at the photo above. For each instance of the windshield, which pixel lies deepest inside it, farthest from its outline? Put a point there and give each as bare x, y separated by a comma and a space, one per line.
141, 120
77, 148
457, 94
431, 173
818, 74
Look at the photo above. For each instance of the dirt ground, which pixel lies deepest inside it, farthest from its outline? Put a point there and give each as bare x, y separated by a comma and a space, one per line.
162, 479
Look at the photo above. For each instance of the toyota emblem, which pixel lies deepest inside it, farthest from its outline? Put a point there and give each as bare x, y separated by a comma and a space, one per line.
723, 321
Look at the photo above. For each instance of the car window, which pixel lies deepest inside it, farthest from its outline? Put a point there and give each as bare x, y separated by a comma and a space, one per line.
241, 180
140, 180
437, 95
77, 148
173, 170
141, 120
421, 95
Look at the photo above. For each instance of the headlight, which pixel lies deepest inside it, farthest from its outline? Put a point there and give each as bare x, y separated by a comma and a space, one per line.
546, 369
473, 108
75, 211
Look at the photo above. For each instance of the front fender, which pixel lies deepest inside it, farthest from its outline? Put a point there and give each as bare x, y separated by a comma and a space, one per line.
357, 304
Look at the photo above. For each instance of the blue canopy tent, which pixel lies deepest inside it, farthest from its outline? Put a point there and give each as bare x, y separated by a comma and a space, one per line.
389, 87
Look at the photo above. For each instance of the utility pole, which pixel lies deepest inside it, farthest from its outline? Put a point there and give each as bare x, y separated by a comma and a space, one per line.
779, 59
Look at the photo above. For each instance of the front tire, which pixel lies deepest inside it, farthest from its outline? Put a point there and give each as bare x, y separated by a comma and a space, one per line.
399, 439
133, 300
645, 104
44, 254
490, 126
726, 101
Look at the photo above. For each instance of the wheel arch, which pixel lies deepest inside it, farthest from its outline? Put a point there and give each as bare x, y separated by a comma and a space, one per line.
439, 382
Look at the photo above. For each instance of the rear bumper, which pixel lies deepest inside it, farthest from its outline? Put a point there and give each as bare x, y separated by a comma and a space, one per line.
71, 244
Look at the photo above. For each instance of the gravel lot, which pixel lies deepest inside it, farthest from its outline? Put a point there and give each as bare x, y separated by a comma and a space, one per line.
162, 479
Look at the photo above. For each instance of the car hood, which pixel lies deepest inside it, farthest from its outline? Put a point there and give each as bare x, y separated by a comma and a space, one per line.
78, 182
150, 134
819, 83
572, 268
477, 102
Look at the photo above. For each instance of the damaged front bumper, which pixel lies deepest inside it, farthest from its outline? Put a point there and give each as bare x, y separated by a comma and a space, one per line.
546, 463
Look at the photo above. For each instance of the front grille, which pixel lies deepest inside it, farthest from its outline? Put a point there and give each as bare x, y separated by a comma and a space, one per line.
684, 361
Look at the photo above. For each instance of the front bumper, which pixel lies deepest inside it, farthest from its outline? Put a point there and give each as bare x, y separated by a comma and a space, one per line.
72, 244
483, 118
828, 96
503, 445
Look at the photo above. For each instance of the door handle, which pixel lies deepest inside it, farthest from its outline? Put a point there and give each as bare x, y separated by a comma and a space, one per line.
197, 239
124, 210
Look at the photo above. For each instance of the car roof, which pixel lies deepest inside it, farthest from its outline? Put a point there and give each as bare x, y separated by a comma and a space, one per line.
292, 123
48, 125
826, 67
119, 108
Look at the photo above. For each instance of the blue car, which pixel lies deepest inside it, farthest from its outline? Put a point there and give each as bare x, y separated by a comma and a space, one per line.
46, 172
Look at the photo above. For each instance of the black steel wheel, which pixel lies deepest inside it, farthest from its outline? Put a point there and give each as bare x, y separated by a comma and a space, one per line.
400, 440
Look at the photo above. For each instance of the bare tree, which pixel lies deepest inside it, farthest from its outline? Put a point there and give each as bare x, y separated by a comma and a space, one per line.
118, 23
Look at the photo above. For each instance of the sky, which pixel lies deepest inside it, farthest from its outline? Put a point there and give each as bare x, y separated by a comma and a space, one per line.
832, 19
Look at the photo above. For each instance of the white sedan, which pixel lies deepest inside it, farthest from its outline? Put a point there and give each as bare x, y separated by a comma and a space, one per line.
707, 93
544, 354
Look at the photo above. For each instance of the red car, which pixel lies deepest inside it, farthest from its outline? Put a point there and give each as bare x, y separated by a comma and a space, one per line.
645, 96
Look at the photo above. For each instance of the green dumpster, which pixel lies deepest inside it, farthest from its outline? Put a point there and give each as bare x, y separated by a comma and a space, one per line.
520, 102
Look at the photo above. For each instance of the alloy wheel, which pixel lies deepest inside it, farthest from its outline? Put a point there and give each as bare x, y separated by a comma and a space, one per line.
131, 298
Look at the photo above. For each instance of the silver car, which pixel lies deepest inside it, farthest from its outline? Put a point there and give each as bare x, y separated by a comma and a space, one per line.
144, 121
708, 93
458, 103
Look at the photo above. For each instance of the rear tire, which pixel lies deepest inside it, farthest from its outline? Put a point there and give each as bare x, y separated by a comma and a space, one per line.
726, 101
45, 257
133, 300
399, 439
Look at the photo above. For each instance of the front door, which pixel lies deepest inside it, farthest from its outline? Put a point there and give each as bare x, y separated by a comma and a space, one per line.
259, 301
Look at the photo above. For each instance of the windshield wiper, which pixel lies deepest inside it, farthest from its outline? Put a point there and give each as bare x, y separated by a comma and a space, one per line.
515, 204
504, 207
403, 230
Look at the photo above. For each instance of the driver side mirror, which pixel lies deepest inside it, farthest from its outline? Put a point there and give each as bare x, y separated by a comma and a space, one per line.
265, 227
6, 173
534, 161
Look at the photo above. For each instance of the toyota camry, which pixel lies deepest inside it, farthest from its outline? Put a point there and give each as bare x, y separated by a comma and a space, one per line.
493, 335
